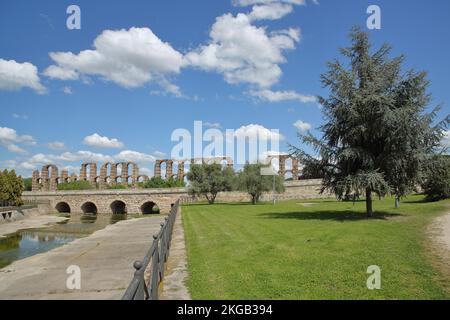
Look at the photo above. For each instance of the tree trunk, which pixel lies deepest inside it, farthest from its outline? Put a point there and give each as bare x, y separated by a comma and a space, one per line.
213, 198
254, 199
369, 210
210, 199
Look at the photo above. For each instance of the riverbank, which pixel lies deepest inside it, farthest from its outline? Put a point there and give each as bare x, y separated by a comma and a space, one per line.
28, 222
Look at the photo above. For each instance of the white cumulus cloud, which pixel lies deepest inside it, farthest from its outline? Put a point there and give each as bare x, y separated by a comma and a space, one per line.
96, 140
15, 76
270, 11
56, 145
242, 52
244, 3
59, 73
67, 90
279, 96
10, 135
159, 154
134, 156
15, 148
129, 58
256, 131
302, 126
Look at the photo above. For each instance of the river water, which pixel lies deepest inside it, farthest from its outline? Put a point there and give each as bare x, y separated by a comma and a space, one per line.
26, 243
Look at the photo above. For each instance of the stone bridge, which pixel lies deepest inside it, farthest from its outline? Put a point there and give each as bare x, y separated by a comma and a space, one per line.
142, 201
147, 201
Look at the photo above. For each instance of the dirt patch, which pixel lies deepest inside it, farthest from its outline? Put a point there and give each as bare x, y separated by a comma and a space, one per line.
439, 247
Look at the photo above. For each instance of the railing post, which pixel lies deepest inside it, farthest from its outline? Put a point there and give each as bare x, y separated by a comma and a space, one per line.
141, 292
162, 252
155, 272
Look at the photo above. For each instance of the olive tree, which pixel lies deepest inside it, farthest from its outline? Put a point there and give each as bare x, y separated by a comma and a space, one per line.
209, 179
251, 181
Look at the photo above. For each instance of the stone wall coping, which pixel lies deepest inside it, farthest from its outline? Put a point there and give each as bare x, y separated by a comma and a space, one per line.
307, 182
128, 192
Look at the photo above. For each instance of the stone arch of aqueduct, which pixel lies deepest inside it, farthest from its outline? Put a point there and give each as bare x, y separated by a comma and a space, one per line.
102, 199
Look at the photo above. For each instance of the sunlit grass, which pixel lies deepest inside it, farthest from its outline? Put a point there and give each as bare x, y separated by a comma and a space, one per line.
316, 249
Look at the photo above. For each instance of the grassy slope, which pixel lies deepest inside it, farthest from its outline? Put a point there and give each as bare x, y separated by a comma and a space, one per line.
320, 251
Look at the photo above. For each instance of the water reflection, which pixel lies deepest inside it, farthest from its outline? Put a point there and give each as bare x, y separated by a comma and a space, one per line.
29, 242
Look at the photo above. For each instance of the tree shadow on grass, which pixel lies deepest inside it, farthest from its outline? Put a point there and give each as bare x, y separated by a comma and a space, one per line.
415, 201
329, 215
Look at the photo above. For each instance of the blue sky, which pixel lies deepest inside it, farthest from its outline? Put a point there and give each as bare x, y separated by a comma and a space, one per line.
160, 65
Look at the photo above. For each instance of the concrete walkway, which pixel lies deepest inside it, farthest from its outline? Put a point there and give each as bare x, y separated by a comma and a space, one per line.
174, 283
105, 258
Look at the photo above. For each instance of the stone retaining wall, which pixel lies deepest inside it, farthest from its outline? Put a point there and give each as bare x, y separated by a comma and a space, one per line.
303, 189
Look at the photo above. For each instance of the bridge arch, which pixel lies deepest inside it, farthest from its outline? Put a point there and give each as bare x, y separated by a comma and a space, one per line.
62, 207
118, 207
149, 207
89, 207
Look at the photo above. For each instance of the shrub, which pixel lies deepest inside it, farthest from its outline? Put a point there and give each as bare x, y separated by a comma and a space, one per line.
436, 185
158, 182
75, 185
116, 187
27, 184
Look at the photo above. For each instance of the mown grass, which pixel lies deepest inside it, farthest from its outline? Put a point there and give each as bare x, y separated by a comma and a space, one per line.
311, 250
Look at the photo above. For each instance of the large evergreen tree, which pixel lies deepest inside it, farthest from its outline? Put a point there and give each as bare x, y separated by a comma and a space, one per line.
377, 133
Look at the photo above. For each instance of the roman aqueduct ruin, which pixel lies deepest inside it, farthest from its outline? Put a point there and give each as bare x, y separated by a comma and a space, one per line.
127, 173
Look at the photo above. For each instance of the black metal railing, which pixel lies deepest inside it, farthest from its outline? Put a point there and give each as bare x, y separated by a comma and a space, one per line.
150, 271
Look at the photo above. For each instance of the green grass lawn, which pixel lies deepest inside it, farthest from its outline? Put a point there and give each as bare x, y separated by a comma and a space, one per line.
318, 250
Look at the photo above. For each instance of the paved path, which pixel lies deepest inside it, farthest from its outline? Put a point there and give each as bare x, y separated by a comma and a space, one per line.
174, 283
105, 259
